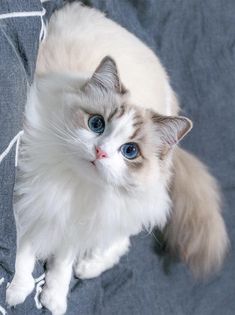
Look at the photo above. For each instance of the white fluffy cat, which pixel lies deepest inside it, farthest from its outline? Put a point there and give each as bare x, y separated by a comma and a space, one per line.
98, 156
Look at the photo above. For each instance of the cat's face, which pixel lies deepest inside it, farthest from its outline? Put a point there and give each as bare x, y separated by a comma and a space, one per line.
117, 143
110, 140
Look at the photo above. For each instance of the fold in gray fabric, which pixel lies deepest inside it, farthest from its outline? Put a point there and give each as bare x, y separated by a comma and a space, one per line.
196, 43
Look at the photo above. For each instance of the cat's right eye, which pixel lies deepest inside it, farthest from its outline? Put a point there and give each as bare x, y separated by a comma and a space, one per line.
96, 123
130, 150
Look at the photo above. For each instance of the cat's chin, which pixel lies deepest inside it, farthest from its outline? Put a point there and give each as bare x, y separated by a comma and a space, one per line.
89, 171
95, 167
103, 174
95, 172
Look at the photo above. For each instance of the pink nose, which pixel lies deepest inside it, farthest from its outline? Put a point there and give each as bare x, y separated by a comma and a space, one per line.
100, 154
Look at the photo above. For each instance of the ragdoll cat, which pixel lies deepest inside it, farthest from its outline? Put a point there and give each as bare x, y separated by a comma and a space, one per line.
99, 161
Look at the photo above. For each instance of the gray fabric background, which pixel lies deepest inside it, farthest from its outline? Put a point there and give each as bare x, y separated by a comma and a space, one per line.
195, 40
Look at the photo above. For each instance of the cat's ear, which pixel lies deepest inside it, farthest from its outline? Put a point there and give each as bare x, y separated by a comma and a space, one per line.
171, 130
106, 76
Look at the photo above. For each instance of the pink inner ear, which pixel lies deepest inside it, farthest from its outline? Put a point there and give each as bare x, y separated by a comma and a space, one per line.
172, 128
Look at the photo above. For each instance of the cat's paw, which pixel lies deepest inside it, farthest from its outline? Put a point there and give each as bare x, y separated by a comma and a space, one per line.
88, 269
54, 300
18, 290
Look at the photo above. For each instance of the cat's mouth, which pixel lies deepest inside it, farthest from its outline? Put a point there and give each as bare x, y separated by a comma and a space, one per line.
95, 165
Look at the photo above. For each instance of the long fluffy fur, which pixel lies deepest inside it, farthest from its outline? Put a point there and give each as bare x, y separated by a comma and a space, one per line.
196, 228
80, 214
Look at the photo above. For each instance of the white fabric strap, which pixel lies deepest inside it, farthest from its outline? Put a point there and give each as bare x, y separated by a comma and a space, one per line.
16, 140
2, 310
40, 281
28, 14
22, 14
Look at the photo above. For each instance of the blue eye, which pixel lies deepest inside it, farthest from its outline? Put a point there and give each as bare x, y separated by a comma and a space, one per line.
130, 150
96, 123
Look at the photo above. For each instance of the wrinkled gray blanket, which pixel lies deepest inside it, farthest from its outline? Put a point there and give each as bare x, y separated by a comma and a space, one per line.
196, 42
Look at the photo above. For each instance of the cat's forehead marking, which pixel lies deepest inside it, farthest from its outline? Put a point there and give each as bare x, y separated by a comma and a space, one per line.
138, 120
135, 133
137, 124
118, 112
112, 114
122, 111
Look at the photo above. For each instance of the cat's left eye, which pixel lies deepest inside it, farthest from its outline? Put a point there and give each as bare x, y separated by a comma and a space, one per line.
96, 123
130, 150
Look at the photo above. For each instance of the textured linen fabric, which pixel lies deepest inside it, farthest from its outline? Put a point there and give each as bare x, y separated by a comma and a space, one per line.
195, 41
18, 47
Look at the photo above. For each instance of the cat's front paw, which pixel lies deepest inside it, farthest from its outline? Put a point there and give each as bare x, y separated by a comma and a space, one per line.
18, 290
88, 269
54, 300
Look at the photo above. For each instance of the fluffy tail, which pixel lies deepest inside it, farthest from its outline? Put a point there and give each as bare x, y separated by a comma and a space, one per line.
196, 229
